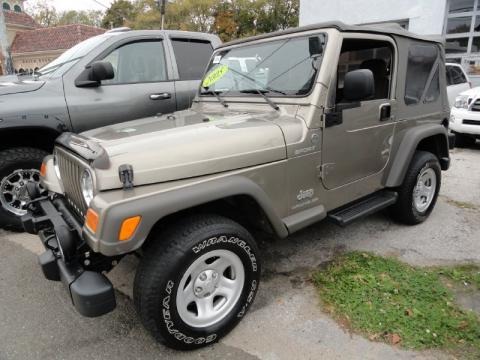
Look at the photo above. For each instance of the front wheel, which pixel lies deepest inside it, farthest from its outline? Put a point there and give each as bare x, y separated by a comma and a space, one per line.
418, 194
18, 166
196, 281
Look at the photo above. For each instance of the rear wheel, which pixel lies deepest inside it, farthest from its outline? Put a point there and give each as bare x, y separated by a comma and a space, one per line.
418, 194
196, 281
17, 167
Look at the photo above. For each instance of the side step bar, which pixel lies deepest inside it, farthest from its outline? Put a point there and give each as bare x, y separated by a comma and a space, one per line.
364, 207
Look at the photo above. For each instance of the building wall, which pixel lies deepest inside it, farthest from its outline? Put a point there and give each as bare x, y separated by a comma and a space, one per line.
34, 60
424, 16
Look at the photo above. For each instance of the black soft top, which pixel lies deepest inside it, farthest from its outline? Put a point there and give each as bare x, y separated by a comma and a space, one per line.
385, 29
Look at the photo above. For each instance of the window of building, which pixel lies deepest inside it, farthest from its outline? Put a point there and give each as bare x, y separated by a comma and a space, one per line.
459, 6
476, 44
192, 57
17, 8
457, 25
6, 6
421, 68
142, 61
376, 56
456, 45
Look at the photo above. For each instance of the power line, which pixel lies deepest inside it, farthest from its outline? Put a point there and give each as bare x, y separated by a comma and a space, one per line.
99, 3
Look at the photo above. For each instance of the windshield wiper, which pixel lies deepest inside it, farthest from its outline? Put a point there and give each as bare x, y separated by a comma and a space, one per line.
217, 95
262, 93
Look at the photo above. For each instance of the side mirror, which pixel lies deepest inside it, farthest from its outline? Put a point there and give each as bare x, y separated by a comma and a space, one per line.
359, 85
94, 74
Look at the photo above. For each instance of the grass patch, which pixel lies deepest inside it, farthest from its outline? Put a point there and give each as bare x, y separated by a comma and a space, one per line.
462, 204
467, 275
388, 300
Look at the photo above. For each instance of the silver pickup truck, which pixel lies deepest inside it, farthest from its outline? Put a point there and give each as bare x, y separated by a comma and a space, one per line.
328, 121
118, 76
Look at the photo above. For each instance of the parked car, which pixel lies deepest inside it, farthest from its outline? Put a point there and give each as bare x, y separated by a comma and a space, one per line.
457, 81
118, 76
465, 118
331, 122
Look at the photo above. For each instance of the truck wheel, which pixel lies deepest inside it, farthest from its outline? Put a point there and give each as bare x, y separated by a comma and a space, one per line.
196, 281
17, 167
464, 141
419, 191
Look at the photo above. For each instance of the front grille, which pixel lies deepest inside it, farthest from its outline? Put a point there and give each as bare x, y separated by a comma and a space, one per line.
71, 169
476, 105
471, 122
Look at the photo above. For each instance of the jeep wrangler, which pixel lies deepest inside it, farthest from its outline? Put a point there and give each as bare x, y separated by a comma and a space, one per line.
328, 121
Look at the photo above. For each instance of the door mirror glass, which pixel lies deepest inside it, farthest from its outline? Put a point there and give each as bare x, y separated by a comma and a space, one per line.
359, 85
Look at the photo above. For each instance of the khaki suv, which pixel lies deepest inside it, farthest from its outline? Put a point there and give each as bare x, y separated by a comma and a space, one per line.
321, 122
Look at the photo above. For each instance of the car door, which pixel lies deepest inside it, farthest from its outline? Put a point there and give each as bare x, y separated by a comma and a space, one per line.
357, 136
141, 87
191, 59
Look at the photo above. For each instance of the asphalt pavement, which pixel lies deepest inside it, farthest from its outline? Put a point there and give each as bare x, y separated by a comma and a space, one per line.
286, 321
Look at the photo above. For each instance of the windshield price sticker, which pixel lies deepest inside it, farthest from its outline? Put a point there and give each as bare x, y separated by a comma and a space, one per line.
214, 75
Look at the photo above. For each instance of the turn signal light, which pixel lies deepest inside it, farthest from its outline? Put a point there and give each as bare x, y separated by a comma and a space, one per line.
91, 221
128, 228
43, 170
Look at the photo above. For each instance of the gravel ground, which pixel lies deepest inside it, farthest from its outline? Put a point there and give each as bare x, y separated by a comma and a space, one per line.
286, 321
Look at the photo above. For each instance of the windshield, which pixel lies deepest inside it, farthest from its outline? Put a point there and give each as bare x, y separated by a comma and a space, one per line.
64, 62
285, 67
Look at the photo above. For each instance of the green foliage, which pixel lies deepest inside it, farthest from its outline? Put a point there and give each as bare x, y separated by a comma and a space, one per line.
46, 15
388, 300
120, 12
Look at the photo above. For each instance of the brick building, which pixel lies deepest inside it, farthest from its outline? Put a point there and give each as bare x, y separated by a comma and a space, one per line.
32, 46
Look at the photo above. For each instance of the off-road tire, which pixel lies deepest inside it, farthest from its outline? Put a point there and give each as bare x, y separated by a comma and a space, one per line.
11, 160
168, 255
404, 210
464, 141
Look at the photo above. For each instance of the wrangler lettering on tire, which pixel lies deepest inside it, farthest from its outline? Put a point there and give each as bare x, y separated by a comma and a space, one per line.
196, 281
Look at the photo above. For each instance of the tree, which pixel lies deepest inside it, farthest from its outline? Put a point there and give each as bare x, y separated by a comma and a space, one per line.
43, 12
90, 17
119, 13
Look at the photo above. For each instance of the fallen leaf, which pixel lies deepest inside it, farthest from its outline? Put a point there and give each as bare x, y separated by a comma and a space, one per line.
394, 339
374, 337
409, 312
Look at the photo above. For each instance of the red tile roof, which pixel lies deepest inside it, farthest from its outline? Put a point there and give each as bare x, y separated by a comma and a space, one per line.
54, 38
19, 18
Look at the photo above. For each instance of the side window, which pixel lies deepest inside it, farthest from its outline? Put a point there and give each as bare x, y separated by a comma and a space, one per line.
422, 63
137, 62
373, 55
458, 77
434, 89
192, 57
449, 75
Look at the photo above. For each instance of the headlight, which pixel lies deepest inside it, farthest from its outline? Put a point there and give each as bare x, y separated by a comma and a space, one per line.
461, 102
55, 166
86, 183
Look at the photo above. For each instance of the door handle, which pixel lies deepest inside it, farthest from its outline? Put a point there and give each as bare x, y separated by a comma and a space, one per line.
385, 112
162, 96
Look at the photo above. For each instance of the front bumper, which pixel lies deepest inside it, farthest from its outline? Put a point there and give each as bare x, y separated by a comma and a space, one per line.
465, 121
92, 294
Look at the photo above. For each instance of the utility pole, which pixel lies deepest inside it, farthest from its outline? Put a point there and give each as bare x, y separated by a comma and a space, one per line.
4, 46
162, 6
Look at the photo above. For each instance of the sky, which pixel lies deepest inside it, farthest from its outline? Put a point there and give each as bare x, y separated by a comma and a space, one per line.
62, 5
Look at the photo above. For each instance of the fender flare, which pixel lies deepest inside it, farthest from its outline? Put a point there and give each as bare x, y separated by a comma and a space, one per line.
407, 148
158, 205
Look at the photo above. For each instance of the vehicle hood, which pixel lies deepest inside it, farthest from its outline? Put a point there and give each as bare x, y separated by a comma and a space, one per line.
15, 85
188, 144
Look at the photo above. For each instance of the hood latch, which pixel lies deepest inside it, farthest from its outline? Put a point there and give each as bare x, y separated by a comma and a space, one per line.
125, 172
